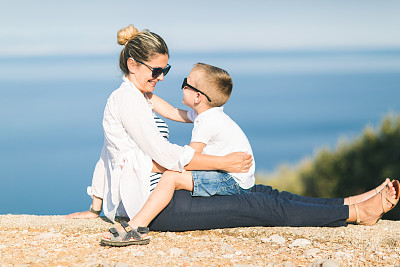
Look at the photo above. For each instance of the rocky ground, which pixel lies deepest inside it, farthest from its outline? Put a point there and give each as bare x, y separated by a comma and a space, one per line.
54, 241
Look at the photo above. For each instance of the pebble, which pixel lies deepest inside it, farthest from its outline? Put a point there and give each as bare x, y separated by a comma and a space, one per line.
227, 248
301, 242
170, 234
137, 253
48, 235
176, 252
312, 252
341, 254
324, 263
202, 254
277, 239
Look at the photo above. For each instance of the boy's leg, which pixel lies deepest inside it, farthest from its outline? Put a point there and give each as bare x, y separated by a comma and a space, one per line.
211, 183
162, 195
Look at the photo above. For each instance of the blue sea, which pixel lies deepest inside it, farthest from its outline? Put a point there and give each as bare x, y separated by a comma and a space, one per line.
290, 104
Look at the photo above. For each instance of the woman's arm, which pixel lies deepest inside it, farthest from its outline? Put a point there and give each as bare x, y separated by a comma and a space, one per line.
166, 110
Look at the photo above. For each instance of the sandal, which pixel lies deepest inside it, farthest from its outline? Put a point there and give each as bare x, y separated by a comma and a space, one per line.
97, 212
376, 192
129, 237
385, 197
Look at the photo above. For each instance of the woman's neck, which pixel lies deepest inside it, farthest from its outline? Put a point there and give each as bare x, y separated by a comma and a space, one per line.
132, 79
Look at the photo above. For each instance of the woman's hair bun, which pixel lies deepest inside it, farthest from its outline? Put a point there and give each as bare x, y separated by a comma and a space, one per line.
126, 34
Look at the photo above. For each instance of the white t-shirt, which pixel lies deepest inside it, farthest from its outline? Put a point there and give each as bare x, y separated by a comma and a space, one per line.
222, 136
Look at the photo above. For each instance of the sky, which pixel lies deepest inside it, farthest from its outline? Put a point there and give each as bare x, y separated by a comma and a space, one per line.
48, 27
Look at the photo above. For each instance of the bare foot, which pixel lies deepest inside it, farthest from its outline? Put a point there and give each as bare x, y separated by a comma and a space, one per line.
370, 211
82, 215
362, 197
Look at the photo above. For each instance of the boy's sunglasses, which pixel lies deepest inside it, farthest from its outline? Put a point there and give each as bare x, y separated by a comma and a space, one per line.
185, 84
155, 72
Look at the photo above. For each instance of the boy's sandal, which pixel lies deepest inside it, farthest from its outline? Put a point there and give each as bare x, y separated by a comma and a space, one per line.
129, 237
385, 197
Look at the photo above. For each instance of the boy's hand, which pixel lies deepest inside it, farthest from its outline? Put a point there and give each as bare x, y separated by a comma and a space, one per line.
238, 162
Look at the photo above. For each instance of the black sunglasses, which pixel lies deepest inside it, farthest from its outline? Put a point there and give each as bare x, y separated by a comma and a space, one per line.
185, 84
155, 72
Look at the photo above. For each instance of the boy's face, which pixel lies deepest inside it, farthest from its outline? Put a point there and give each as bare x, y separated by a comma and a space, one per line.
189, 95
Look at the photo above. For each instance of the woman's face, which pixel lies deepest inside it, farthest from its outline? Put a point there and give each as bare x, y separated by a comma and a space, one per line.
141, 75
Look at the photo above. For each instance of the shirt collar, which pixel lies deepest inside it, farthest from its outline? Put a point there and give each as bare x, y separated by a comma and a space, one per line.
211, 111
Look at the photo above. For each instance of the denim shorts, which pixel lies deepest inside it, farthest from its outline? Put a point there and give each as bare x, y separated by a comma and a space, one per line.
210, 183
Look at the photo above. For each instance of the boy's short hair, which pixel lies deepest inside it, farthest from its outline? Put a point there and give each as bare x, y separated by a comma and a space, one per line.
215, 83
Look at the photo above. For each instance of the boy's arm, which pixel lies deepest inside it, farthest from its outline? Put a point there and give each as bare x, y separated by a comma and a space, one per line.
166, 110
197, 146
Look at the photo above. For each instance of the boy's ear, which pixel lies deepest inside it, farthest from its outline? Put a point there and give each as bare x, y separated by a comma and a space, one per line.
197, 99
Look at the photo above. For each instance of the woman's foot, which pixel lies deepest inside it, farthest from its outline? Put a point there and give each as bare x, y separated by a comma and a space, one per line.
371, 210
362, 197
82, 215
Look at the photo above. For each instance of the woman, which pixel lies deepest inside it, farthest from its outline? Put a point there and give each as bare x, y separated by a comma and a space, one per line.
133, 142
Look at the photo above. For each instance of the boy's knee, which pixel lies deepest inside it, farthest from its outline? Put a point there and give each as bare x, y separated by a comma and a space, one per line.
169, 175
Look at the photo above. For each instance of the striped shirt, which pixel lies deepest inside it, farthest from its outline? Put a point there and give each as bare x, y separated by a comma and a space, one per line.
163, 128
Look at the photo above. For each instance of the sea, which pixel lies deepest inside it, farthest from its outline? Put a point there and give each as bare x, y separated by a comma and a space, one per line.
289, 103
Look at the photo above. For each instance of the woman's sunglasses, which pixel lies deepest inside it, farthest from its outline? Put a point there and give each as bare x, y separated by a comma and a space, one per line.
155, 72
185, 84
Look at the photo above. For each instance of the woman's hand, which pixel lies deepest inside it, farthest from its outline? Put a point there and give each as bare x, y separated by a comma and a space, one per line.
238, 162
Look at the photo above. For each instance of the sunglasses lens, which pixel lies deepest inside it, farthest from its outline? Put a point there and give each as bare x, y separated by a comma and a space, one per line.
166, 70
157, 72
184, 83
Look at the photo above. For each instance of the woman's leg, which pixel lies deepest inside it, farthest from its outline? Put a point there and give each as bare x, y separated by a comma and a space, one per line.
268, 190
261, 208
185, 212
324, 201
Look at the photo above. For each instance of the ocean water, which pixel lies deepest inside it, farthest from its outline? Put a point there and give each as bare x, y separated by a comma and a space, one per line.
289, 104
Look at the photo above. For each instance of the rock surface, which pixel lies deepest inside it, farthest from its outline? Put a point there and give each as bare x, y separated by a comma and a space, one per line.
54, 241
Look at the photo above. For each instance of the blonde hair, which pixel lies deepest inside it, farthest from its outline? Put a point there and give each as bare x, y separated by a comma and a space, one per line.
215, 82
140, 45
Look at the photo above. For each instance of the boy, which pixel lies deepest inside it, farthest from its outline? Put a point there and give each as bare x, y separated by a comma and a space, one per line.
205, 90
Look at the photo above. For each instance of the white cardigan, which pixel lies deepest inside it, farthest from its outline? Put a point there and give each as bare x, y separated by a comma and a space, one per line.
131, 141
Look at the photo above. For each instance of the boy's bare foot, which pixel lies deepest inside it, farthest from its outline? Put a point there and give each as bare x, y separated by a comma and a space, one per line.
82, 215
362, 197
371, 210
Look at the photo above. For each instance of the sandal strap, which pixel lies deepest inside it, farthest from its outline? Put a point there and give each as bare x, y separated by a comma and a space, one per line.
389, 199
97, 212
143, 230
358, 221
114, 232
130, 232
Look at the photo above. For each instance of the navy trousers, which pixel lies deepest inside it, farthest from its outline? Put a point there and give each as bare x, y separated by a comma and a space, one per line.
262, 206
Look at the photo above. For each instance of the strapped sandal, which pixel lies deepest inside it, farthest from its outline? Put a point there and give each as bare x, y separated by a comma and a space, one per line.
351, 202
97, 212
129, 237
385, 197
